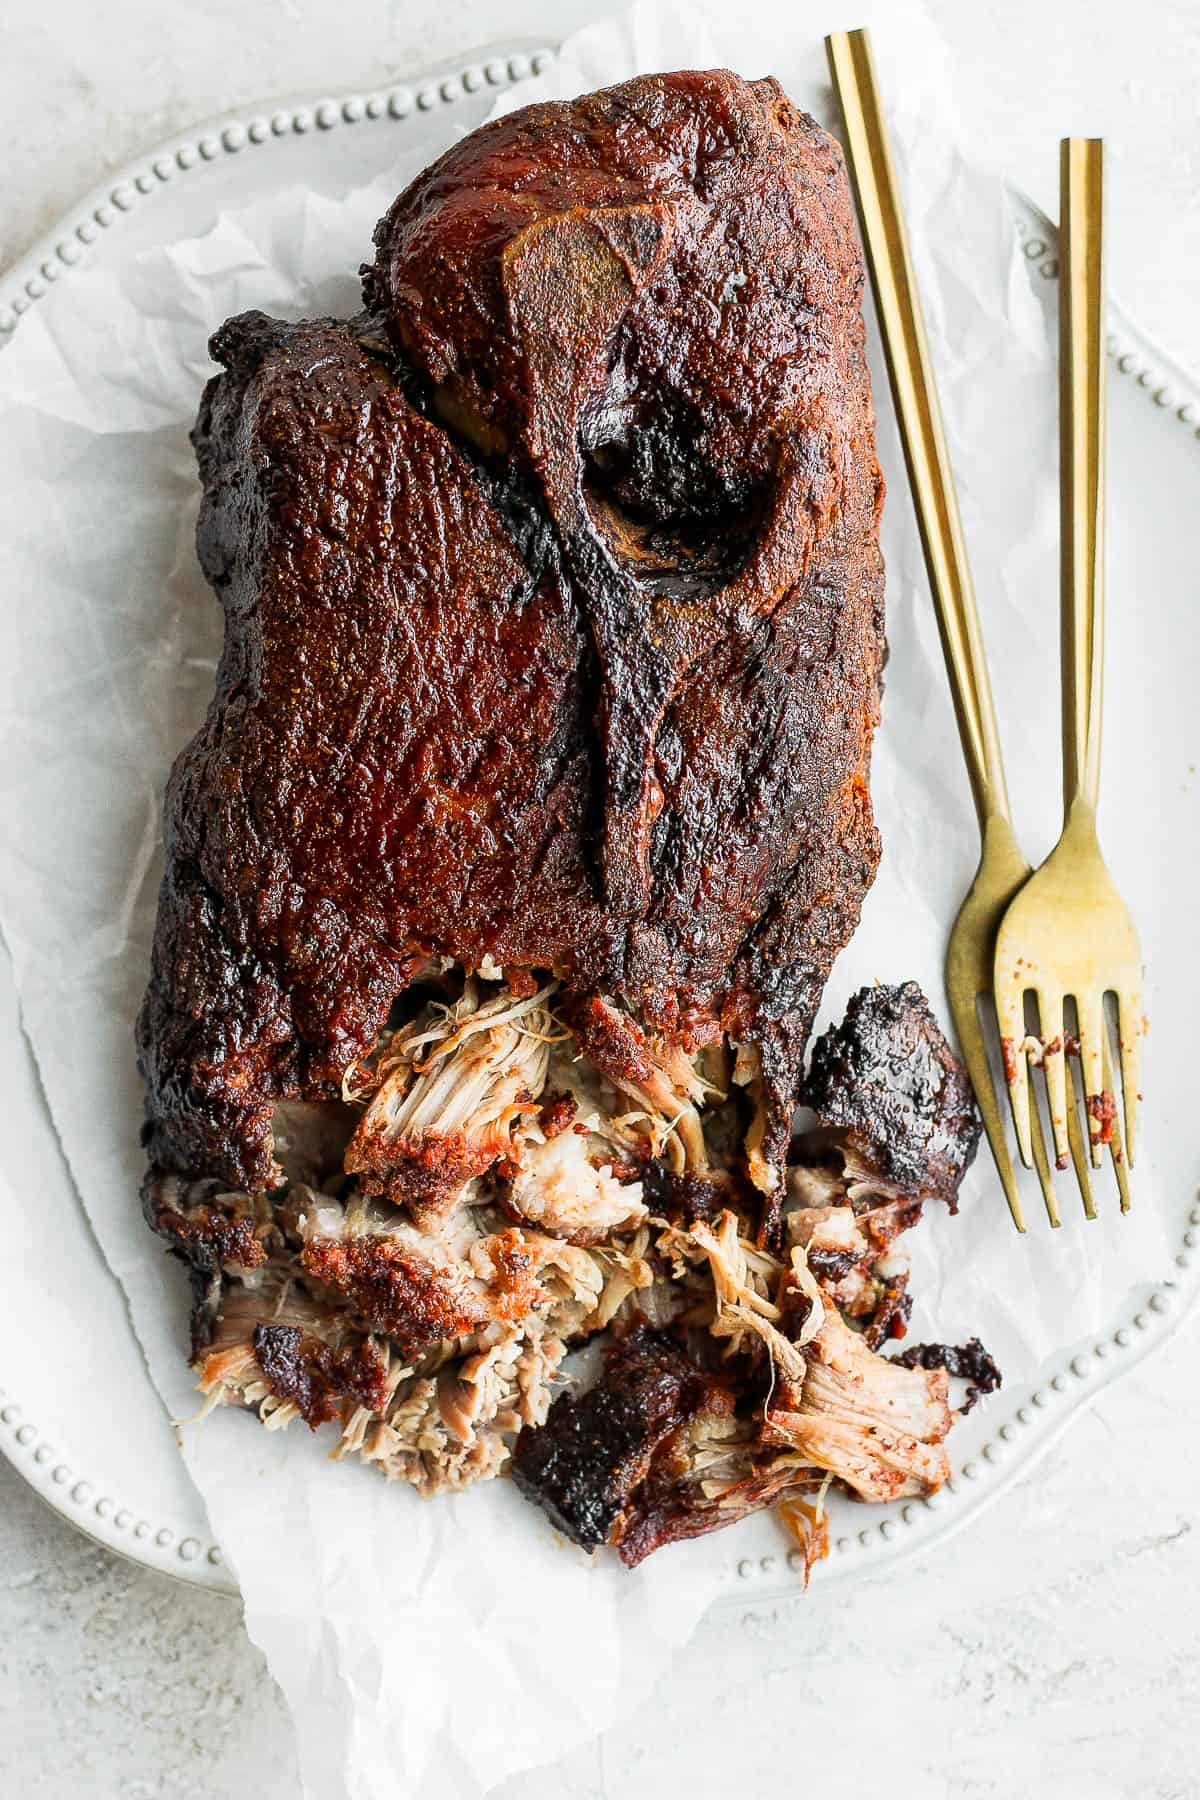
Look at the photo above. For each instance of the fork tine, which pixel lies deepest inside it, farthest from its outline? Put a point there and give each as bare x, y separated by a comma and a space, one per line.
1041, 1162
1010, 1016
974, 1053
1129, 1034
1090, 1011
1054, 1066
1119, 1159
1078, 1153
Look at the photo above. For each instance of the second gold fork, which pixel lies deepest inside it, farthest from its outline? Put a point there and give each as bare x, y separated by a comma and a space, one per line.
1068, 935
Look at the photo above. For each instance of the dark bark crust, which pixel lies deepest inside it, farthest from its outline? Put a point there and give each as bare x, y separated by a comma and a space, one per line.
553, 606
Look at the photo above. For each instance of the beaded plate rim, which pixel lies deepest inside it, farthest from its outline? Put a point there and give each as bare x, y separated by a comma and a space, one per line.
1070, 1380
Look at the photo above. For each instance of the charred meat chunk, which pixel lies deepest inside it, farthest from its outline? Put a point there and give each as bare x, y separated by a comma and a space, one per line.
588, 1465
685, 1199
210, 1229
531, 808
888, 1081
968, 1362
278, 1350
316, 1378
712, 1473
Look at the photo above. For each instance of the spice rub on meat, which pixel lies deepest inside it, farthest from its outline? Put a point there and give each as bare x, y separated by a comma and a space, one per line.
553, 607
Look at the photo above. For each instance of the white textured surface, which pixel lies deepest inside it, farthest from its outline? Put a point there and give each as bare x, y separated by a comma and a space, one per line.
1050, 1650
84, 87
1053, 1648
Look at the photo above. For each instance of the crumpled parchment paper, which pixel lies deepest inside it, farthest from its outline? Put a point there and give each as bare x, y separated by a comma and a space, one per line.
434, 1648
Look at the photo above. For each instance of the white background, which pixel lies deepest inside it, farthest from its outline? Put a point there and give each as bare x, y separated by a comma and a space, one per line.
1054, 1649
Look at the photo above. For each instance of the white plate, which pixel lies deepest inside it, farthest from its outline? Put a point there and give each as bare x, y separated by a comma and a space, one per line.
67, 1351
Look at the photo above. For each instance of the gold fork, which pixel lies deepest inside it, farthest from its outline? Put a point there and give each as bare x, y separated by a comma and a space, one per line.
1002, 868
1068, 934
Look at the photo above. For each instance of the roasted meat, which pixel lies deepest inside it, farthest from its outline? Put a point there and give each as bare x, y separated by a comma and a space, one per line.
652, 1453
451, 1280
553, 607
504, 876
858, 1272
561, 1189
275, 1348
896, 1124
750, 1304
589, 1462
887, 1082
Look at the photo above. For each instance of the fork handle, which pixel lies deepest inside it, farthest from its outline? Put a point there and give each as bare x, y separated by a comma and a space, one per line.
1081, 462
921, 431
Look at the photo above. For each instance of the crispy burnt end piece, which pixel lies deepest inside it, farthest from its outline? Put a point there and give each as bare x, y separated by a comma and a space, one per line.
686, 1199
210, 1227
891, 1310
709, 1475
887, 1080
656, 1453
589, 1465
557, 1114
314, 1377
968, 1362
277, 1348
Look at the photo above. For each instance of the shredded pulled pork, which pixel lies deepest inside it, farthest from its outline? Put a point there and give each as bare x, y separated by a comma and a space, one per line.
670, 1099
445, 1430
450, 1279
875, 1425
559, 1186
432, 1260
448, 1094
864, 1284
747, 1074
432, 1348
629, 1276
663, 1088
747, 1286
808, 1527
